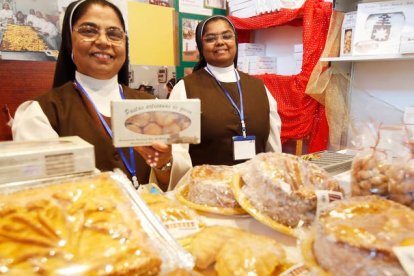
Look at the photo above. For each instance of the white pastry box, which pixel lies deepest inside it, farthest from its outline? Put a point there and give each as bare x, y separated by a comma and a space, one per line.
143, 122
28, 160
380, 26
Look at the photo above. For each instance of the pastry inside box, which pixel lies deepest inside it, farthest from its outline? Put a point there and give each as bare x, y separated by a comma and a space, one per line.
81, 226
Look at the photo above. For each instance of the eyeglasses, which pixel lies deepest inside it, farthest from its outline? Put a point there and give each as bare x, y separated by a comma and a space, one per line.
91, 33
213, 38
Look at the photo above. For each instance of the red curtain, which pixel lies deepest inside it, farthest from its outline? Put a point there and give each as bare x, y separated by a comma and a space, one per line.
301, 115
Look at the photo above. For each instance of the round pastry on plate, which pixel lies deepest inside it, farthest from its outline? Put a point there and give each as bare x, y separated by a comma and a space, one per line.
207, 188
356, 236
279, 190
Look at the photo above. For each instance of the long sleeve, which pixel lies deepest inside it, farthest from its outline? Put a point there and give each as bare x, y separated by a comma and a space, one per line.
30, 123
273, 142
182, 160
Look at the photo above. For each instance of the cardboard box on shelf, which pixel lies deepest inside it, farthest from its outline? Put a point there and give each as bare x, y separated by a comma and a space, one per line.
347, 33
379, 26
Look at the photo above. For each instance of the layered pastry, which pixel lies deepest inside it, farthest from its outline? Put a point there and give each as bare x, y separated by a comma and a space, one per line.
235, 252
87, 227
374, 173
281, 188
356, 236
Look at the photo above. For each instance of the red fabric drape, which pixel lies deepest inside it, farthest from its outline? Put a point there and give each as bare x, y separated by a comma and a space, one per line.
301, 115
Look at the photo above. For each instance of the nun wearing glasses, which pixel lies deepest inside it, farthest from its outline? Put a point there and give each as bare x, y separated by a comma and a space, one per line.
239, 116
91, 71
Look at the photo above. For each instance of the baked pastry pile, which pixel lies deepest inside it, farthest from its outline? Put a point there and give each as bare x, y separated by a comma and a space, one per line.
282, 187
85, 227
235, 252
22, 38
373, 173
356, 236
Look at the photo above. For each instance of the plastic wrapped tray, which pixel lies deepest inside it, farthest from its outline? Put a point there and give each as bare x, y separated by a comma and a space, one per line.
90, 225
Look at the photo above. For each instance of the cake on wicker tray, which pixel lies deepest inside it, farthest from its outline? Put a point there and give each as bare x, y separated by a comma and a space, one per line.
282, 187
356, 236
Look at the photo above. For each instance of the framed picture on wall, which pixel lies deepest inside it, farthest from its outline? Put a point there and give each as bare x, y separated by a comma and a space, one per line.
189, 45
216, 4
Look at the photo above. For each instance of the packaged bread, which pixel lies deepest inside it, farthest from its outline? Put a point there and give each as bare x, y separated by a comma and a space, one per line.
376, 172
357, 236
92, 225
235, 252
179, 219
280, 189
207, 188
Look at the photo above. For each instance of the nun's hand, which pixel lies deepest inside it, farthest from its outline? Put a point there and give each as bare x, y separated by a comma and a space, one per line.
157, 155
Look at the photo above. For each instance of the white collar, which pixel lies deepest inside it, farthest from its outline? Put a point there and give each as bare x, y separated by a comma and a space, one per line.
223, 74
101, 92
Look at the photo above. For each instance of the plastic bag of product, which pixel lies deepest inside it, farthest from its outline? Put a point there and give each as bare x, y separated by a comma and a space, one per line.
359, 236
385, 166
90, 225
283, 191
207, 188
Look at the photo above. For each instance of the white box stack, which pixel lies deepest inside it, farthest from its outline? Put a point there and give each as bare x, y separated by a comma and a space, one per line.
28, 160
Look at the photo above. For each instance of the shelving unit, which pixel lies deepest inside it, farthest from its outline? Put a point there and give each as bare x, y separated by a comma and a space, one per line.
380, 87
395, 57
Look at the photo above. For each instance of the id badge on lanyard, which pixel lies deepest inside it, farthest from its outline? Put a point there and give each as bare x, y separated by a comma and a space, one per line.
244, 147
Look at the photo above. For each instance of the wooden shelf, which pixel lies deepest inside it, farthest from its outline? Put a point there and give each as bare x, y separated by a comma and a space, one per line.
388, 57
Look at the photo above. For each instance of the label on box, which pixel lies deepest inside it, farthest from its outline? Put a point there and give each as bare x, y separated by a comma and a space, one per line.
251, 49
324, 197
144, 122
407, 43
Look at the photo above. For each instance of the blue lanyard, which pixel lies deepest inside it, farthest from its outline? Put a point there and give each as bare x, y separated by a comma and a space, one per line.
239, 110
130, 166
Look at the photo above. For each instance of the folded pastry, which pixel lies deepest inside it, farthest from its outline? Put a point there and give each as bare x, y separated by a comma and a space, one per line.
85, 228
210, 185
356, 236
282, 187
206, 244
249, 254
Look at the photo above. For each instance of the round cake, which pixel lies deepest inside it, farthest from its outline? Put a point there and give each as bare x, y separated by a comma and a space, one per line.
356, 236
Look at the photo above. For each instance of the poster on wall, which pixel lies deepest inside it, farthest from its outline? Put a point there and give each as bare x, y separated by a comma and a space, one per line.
29, 30
162, 3
194, 7
189, 46
216, 4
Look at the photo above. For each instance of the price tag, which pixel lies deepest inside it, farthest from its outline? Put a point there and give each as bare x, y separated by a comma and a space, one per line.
405, 255
324, 197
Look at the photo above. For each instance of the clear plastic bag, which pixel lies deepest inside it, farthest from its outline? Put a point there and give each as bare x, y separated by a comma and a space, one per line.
90, 225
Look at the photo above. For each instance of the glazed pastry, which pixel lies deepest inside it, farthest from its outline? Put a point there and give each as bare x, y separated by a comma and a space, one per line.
249, 254
206, 244
356, 236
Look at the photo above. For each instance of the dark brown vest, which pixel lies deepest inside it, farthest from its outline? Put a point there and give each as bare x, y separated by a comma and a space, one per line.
70, 114
220, 121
